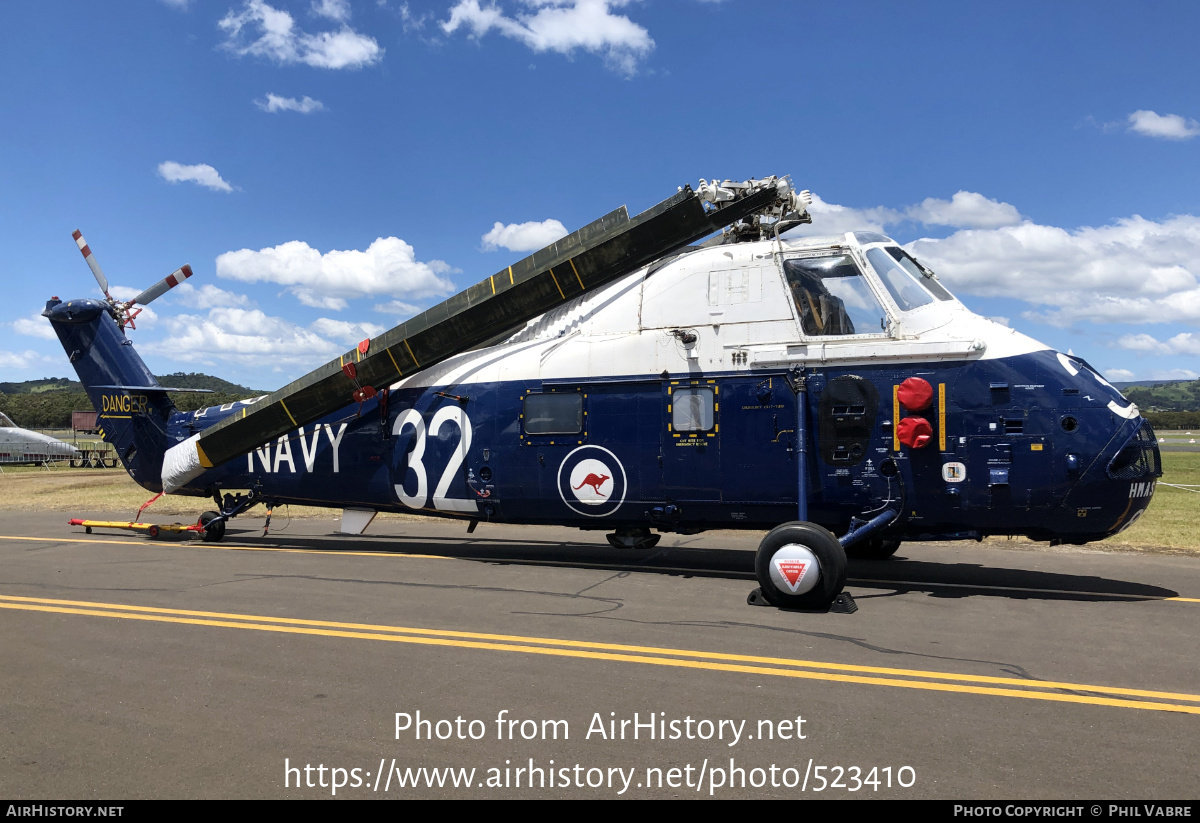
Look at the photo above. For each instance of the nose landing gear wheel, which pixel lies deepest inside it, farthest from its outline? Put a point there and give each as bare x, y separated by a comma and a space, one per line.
800, 566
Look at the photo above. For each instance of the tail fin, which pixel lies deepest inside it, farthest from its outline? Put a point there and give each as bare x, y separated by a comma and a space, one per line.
133, 408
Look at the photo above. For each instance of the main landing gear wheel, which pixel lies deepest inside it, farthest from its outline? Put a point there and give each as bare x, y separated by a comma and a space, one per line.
213, 533
800, 566
875, 548
639, 538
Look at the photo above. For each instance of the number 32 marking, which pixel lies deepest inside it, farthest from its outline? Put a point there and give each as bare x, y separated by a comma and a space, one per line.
447, 414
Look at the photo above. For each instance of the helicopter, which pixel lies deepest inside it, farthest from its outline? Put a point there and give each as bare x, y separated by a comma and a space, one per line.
693, 367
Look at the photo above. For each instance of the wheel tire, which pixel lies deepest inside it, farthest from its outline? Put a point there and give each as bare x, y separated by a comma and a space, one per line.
877, 548
809, 541
217, 531
152, 531
87, 529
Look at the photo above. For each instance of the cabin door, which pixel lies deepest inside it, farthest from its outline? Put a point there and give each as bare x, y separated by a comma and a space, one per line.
758, 429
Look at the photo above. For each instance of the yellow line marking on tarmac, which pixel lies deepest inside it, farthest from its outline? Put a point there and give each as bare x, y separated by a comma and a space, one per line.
604, 651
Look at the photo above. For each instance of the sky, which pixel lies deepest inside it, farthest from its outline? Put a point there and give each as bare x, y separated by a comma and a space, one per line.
330, 167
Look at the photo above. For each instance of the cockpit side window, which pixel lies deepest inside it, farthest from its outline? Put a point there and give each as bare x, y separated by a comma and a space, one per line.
923, 274
905, 289
832, 297
5, 422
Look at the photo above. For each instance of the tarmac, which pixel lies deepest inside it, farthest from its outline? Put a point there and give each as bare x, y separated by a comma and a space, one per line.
277, 666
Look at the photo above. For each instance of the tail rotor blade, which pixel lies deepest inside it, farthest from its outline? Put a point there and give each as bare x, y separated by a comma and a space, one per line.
163, 286
91, 261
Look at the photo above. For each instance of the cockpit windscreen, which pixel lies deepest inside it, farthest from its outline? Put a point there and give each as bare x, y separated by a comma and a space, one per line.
922, 273
832, 297
905, 289
5, 422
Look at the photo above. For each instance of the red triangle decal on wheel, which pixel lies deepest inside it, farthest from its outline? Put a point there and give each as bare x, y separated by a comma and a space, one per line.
792, 571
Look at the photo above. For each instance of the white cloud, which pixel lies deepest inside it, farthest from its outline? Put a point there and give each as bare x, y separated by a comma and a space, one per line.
27, 359
387, 267
345, 333
1119, 375
523, 236
201, 174
243, 336
35, 326
1185, 343
250, 338
397, 307
1133, 271
261, 30
1173, 374
207, 296
561, 26
337, 10
830, 218
1167, 126
965, 210
274, 103
181, 5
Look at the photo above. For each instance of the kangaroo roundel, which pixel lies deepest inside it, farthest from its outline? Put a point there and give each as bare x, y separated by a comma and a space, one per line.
591, 481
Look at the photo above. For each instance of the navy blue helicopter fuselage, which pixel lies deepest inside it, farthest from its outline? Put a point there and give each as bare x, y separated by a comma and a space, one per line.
1035, 443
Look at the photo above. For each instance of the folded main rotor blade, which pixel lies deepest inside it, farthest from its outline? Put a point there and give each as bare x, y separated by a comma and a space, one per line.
91, 261
163, 286
589, 258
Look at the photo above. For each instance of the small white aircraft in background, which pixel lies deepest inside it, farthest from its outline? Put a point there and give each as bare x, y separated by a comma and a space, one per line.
22, 446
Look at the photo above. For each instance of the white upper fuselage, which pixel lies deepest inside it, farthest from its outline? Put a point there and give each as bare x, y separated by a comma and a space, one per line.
725, 308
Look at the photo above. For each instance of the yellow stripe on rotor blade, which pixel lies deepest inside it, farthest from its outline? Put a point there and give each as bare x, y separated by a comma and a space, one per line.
285, 409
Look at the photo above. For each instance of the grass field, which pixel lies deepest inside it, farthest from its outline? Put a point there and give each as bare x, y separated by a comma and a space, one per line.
1172, 522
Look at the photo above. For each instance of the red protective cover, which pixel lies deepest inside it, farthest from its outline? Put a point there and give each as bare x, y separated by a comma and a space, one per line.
915, 432
915, 394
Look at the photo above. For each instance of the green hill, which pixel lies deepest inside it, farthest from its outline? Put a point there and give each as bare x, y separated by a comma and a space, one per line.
1178, 396
48, 403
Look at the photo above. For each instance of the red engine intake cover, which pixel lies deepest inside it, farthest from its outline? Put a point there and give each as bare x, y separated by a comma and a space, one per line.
915, 432
915, 394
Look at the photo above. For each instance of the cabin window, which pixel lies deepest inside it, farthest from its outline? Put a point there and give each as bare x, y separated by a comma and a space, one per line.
553, 413
901, 285
832, 296
923, 273
692, 410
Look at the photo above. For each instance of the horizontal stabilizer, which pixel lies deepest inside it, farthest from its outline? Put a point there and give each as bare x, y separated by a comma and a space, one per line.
154, 388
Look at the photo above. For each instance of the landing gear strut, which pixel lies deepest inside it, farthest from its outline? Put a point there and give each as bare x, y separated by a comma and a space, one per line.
802, 565
231, 505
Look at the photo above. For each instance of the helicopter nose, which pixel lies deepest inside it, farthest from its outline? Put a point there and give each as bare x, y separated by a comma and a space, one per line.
1115, 487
